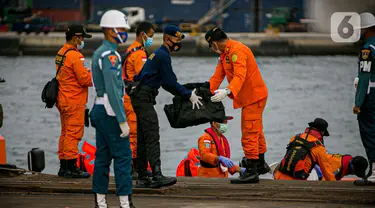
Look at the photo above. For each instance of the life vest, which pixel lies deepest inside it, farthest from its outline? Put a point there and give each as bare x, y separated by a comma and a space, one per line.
293, 163
86, 158
220, 150
125, 75
189, 166
344, 165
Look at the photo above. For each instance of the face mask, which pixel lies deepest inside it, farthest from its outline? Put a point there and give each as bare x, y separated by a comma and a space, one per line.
223, 128
148, 41
80, 47
175, 46
120, 37
217, 50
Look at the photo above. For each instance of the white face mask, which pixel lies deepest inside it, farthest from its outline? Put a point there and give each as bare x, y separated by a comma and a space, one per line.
217, 50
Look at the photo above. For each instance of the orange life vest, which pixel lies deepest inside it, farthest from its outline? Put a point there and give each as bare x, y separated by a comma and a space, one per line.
220, 150
189, 166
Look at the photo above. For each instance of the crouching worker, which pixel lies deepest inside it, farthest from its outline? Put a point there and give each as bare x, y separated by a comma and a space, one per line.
343, 165
214, 153
304, 152
108, 116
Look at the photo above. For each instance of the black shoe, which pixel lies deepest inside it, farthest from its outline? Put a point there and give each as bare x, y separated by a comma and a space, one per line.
72, 171
262, 166
158, 180
62, 169
250, 175
143, 180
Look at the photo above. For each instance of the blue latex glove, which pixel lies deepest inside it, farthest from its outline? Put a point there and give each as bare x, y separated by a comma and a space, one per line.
319, 172
243, 170
226, 161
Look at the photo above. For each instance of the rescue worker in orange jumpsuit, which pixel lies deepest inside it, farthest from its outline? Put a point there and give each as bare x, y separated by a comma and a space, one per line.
74, 79
214, 153
134, 59
343, 165
304, 152
248, 91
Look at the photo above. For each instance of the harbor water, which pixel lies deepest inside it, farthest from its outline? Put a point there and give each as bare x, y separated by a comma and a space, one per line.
300, 89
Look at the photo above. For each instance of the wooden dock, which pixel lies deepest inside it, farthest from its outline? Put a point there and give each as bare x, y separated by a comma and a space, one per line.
51, 191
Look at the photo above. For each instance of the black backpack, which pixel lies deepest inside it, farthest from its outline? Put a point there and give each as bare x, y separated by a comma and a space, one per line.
50, 90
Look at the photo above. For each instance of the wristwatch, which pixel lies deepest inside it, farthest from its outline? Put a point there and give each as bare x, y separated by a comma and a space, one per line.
228, 91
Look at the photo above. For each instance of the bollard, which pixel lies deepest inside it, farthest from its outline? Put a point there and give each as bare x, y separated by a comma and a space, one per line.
36, 161
3, 154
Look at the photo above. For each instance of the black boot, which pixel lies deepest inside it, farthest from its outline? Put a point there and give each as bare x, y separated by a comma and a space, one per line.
62, 169
131, 201
262, 166
72, 171
158, 180
250, 175
143, 181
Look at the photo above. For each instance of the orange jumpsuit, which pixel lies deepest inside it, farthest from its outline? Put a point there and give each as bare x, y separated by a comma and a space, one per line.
74, 80
248, 92
133, 66
319, 154
209, 154
340, 165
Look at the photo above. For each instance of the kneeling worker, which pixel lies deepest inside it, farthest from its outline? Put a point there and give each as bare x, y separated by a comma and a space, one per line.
343, 165
304, 152
214, 153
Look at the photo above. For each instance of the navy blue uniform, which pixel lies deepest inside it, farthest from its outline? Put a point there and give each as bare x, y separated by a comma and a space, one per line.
156, 72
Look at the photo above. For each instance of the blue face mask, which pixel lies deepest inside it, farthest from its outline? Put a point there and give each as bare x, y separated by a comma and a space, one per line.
80, 47
148, 41
120, 37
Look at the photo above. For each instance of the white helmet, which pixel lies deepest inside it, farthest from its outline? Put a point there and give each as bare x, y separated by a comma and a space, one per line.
367, 20
114, 19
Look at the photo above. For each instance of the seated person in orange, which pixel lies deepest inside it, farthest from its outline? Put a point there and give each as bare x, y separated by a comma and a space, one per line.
214, 152
343, 165
304, 152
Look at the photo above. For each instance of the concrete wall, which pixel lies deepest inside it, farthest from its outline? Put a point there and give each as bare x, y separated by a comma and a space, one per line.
321, 10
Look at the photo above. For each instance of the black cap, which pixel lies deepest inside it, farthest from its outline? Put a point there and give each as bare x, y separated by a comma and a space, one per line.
360, 165
173, 31
77, 30
321, 125
215, 34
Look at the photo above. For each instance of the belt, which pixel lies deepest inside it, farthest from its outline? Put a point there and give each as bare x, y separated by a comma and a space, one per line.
99, 101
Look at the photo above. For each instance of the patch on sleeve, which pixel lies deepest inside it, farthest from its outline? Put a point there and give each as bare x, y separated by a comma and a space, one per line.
144, 58
234, 58
151, 56
113, 59
207, 145
365, 53
365, 60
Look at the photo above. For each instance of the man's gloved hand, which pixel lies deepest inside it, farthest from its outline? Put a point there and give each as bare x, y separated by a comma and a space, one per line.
355, 83
226, 161
220, 95
124, 129
194, 99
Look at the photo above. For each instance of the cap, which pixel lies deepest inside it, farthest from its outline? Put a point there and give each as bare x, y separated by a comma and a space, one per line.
321, 125
214, 34
77, 30
225, 119
173, 31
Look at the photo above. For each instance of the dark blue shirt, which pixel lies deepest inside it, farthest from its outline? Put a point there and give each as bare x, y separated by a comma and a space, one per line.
157, 71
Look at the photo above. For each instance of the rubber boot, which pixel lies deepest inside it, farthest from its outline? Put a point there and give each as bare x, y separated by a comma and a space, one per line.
100, 201
251, 173
158, 180
124, 201
262, 166
143, 181
62, 169
72, 171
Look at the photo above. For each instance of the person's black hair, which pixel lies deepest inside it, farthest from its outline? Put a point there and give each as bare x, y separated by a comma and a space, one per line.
144, 27
221, 35
69, 37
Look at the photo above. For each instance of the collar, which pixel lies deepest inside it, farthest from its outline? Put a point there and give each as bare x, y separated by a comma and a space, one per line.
136, 43
68, 46
315, 134
162, 47
228, 45
372, 39
110, 44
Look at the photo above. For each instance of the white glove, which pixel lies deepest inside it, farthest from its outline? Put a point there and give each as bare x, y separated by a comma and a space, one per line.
356, 82
194, 99
124, 129
220, 95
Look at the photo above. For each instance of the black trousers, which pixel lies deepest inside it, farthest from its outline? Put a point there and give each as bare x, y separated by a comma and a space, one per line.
366, 121
148, 138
